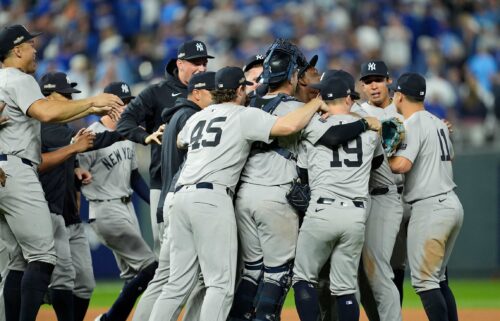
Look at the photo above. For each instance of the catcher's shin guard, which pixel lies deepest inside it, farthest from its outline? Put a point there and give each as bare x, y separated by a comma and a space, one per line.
277, 282
243, 304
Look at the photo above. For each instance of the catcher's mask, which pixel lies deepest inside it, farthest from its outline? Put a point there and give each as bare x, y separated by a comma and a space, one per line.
283, 58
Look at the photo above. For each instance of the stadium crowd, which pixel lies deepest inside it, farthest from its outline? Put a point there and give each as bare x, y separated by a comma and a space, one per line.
454, 43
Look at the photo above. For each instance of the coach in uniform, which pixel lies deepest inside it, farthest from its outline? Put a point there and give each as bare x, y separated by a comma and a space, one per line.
24, 214
147, 108
436, 212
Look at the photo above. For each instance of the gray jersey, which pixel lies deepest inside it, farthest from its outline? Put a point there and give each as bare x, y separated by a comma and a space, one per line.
110, 168
428, 146
343, 171
270, 168
20, 136
383, 175
219, 139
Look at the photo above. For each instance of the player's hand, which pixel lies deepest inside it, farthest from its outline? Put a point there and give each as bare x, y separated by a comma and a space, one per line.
446, 122
3, 177
155, 138
107, 100
3, 119
84, 140
373, 123
83, 175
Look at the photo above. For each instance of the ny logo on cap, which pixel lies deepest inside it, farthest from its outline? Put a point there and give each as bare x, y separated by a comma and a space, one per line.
259, 57
125, 88
372, 66
422, 93
67, 80
199, 46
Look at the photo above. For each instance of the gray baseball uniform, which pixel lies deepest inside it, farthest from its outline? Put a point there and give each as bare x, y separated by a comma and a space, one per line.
202, 223
382, 227
22, 202
63, 276
436, 211
84, 282
267, 225
111, 213
334, 224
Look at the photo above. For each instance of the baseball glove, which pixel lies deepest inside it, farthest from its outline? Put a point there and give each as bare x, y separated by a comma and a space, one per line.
393, 133
299, 196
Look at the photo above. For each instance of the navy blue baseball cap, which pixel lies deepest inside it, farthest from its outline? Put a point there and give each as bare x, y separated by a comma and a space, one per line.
374, 68
230, 78
203, 80
309, 64
120, 89
192, 49
332, 88
347, 78
253, 61
411, 84
12, 36
57, 82
189, 50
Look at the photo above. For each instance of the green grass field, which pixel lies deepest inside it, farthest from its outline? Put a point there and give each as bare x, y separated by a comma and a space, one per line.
468, 293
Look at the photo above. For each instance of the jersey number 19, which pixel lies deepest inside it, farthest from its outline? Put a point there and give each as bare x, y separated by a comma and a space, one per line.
357, 150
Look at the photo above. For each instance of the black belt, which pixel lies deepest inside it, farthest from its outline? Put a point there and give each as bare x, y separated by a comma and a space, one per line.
3, 157
328, 201
384, 190
124, 199
205, 185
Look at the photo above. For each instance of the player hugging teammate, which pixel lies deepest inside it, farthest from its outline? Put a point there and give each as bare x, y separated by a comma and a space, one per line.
297, 189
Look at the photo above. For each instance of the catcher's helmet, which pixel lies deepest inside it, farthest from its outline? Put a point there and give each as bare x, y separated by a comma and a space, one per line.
282, 59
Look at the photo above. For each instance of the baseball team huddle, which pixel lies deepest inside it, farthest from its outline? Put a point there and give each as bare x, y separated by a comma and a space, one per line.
262, 178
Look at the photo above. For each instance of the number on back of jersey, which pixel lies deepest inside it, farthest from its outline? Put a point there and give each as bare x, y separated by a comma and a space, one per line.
208, 136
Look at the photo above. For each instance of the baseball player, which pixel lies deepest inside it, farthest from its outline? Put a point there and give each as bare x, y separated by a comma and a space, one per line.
386, 208
24, 215
192, 58
73, 279
253, 71
436, 212
307, 75
199, 97
333, 228
202, 222
111, 212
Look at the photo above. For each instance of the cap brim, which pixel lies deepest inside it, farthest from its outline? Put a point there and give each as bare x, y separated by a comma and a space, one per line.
247, 83
355, 95
69, 90
318, 86
313, 61
196, 57
377, 74
171, 65
127, 98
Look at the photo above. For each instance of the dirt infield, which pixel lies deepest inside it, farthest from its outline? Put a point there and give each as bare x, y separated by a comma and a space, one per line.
47, 314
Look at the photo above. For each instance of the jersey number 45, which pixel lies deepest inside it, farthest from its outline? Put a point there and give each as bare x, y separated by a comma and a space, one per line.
200, 131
